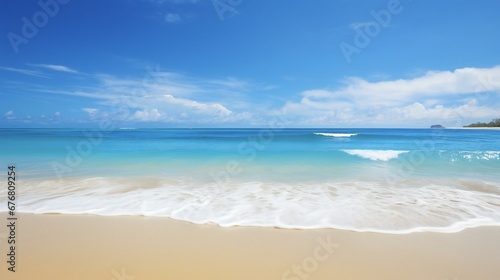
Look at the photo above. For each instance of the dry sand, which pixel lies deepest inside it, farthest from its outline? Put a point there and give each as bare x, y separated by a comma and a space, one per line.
141, 248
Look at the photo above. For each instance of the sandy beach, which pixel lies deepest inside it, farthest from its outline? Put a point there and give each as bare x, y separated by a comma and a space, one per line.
141, 248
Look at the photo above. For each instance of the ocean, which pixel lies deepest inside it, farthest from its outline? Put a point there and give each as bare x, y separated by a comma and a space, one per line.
376, 180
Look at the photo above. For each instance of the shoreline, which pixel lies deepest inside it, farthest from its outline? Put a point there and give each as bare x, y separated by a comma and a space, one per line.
451, 229
61, 246
485, 128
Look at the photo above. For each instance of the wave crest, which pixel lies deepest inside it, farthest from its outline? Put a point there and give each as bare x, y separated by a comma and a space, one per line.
383, 155
336, 134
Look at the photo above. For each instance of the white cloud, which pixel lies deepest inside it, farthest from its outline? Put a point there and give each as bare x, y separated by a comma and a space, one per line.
167, 108
53, 67
463, 95
455, 115
437, 95
57, 114
91, 111
165, 96
172, 18
147, 115
10, 115
433, 83
197, 107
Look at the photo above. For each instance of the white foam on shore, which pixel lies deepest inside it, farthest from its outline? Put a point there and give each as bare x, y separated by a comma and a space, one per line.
359, 206
336, 134
383, 155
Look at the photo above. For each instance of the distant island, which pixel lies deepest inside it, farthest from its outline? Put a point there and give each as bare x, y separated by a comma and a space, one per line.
437, 126
493, 123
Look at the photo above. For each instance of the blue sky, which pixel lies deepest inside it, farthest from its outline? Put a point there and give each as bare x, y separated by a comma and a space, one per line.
242, 63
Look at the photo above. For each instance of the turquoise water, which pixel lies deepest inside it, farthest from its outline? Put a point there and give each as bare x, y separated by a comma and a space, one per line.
388, 180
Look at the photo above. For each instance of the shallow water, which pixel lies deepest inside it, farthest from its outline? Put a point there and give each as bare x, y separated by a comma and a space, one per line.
382, 180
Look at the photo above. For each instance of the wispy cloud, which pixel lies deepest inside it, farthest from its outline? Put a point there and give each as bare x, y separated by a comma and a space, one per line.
356, 25
53, 67
24, 71
231, 82
90, 111
172, 18
172, 11
38, 72
163, 97
10, 115
212, 108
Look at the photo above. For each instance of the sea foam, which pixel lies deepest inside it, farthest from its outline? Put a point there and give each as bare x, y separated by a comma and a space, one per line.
438, 206
383, 155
